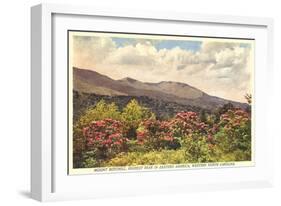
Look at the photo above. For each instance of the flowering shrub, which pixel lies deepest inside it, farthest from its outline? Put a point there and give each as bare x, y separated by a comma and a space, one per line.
100, 111
157, 135
186, 123
196, 136
106, 136
235, 132
234, 118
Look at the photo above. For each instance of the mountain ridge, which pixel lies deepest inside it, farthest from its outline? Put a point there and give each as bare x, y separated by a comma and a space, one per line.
88, 81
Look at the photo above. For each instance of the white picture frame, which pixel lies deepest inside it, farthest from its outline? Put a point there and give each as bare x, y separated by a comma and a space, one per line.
50, 181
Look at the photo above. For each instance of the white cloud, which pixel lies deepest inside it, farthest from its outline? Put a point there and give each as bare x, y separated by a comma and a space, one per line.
218, 68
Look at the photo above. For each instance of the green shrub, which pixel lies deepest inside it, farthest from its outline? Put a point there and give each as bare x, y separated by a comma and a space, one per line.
132, 115
148, 158
89, 159
234, 136
135, 146
199, 148
99, 112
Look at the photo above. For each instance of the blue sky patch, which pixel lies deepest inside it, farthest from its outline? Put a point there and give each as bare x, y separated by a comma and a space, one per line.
193, 46
245, 45
120, 42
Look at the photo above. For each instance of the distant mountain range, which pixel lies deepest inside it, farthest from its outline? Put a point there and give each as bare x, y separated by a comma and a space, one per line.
164, 99
91, 82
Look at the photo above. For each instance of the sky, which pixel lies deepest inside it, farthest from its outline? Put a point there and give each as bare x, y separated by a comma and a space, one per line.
219, 67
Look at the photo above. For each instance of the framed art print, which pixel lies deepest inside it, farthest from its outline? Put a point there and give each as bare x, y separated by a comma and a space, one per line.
135, 103
138, 103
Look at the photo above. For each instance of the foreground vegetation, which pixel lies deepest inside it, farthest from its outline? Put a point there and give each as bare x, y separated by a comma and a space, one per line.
105, 136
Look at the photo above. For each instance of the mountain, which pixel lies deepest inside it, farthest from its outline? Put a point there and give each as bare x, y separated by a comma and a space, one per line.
92, 82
